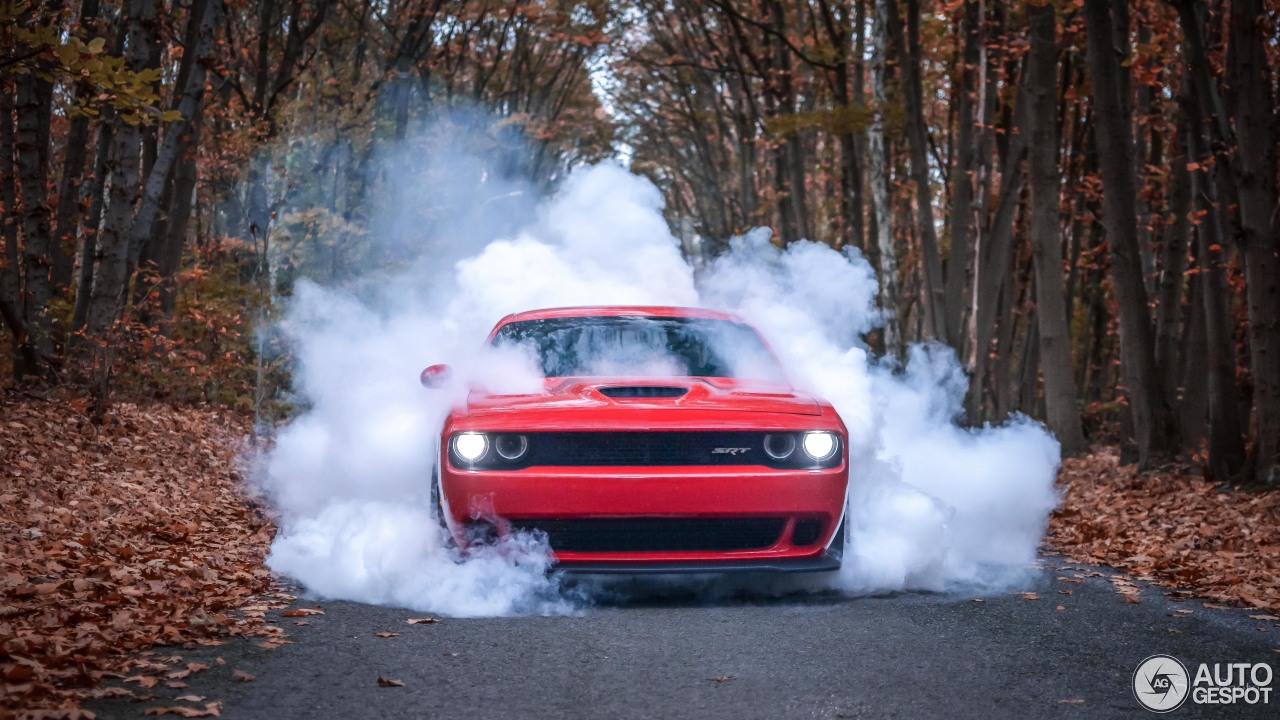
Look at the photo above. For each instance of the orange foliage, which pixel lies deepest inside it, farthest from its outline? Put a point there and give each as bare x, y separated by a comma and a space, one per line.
117, 538
1172, 526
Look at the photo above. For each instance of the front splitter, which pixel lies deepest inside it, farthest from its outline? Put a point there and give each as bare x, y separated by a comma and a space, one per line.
826, 562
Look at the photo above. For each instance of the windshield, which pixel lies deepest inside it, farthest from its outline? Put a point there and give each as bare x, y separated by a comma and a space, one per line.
641, 345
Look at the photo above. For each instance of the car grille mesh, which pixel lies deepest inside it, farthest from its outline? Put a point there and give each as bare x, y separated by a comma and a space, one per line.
657, 534
646, 448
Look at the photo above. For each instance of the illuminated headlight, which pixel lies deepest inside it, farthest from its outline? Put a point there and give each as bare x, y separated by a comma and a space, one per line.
470, 446
820, 445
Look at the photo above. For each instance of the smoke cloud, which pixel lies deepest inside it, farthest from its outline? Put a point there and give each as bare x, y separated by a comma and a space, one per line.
931, 504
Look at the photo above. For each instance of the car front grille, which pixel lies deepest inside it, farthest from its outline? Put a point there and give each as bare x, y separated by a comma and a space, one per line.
646, 448
656, 534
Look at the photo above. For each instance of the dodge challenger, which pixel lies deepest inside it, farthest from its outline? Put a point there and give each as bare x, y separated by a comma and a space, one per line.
662, 439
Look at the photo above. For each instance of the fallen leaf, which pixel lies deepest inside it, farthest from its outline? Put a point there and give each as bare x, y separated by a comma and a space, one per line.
213, 709
1132, 599
242, 676
1030, 596
302, 612
386, 634
722, 678
1062, 607
190, 698
386, 682
1264, 617
422, 621
1071, 701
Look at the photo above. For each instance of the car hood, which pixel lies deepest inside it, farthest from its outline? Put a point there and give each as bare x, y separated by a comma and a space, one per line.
718, 394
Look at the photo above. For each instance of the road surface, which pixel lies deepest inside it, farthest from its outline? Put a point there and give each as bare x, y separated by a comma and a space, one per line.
671, 655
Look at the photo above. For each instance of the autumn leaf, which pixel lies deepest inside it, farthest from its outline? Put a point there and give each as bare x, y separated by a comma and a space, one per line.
302, 612
386, 682
386, 634
242, 676
161, 547
722, 678
422, 621
1030, 596
213, 709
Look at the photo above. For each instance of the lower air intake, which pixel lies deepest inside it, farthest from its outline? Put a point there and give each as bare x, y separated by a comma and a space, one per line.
657, 534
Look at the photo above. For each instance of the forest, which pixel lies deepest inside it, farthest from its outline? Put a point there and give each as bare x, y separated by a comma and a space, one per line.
1079, 196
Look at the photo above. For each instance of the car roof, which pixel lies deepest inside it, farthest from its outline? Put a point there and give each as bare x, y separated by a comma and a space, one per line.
619, 311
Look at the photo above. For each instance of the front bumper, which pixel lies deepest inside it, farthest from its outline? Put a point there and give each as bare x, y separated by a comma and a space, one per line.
827, 561
805, 507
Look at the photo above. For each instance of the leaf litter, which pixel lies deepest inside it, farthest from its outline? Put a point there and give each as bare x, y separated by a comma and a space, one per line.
1170, 526
118, 538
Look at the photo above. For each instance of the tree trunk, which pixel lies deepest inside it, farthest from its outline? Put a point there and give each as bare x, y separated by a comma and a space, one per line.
1193, 412
169, 254
789, 175
1174, 265
35, 104
70, 191
1226, 445
909, 53
204, 14
994, 264
1046, 242
962, 211
1152, 420
25, 357
1252, 107
879, 181
111, 257
92, 226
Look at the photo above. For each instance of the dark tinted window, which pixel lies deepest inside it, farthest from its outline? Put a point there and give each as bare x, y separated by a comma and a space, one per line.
641, 345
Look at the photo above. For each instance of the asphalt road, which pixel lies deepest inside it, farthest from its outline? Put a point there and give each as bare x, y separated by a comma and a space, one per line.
673, 654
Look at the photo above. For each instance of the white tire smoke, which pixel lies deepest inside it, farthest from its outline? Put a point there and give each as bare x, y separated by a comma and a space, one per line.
931, 504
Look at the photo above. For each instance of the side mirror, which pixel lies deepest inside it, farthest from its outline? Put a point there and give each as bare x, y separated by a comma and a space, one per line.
435, 376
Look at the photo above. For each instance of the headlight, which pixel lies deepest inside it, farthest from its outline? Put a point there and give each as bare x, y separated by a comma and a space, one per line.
779, 446
820, 445
511, 447
470, 446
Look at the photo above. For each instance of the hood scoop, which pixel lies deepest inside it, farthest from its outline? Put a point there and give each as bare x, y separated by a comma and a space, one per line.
633, 392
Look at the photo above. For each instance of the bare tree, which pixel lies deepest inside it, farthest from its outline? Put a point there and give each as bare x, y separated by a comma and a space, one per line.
1046, 243
1152, 420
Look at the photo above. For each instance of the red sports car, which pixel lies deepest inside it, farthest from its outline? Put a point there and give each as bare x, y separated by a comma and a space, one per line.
663, 440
